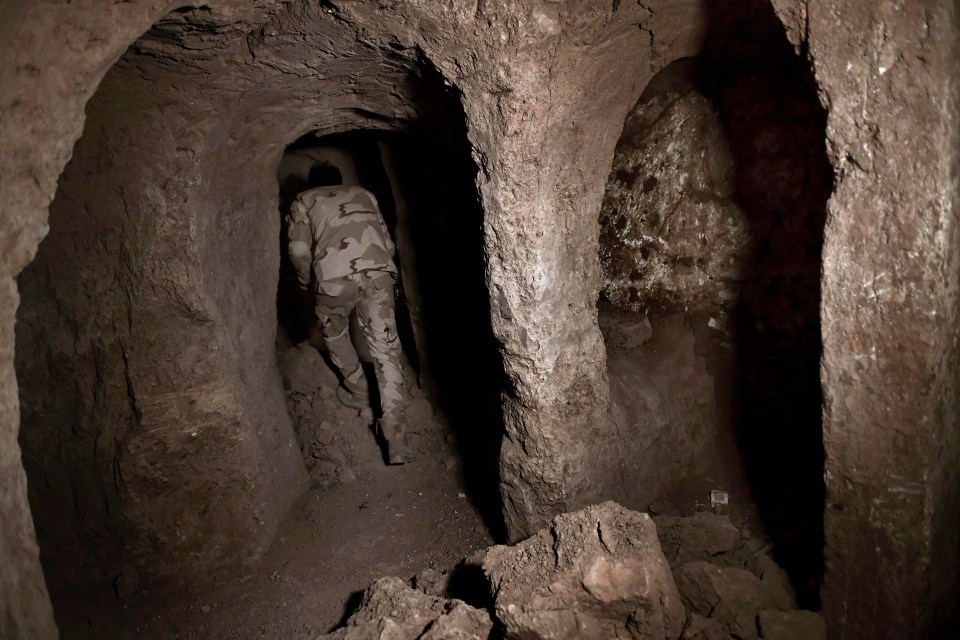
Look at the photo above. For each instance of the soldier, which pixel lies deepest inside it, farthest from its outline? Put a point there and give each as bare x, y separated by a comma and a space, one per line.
337, 232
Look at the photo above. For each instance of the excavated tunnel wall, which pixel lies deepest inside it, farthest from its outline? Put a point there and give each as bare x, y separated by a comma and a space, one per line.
201, 111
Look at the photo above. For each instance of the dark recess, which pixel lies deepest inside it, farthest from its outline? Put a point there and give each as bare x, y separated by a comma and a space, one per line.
765, 97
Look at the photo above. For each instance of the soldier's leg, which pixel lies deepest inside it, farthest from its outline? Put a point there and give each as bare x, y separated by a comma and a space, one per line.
335, 300
375, 311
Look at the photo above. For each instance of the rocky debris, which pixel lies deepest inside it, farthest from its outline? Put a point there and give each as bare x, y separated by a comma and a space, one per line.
700, 628
391, 610
431, 582
304, 370
594, 573
702, 536
601, 573
733, 597
774, 579
792, 625
336, 441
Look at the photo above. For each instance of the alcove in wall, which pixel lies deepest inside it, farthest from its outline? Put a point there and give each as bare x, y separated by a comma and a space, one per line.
712, 231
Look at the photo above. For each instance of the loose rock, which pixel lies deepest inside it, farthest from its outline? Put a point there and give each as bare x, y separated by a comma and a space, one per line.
392, 610
304, 370
595, 573
733, 597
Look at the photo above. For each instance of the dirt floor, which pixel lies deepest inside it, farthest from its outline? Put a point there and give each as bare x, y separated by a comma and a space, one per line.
363, 520
389, 521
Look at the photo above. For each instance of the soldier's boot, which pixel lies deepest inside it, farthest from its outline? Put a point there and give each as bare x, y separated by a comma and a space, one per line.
353, 393
399, 450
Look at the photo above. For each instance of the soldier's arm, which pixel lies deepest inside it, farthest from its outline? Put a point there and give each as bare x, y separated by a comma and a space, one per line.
299, 240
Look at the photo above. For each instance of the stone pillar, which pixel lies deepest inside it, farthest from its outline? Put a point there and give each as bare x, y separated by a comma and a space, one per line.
888, 73
544, 124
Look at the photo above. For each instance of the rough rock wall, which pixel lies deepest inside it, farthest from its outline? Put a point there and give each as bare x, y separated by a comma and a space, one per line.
672, 235
544, 126
543, 134
41, 115
888, 74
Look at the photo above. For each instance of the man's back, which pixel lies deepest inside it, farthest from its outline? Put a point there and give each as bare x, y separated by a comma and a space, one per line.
348, 232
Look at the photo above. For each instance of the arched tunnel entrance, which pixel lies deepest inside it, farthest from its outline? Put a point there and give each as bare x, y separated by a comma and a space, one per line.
156, 431
423, 179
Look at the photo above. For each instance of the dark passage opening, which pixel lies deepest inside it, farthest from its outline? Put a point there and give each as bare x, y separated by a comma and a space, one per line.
712, 232
765, 97
423, 179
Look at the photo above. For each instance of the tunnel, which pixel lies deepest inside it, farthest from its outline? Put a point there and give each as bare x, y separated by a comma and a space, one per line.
694, 258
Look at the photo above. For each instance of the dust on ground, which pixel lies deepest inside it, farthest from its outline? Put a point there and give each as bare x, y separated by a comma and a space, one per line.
361, 520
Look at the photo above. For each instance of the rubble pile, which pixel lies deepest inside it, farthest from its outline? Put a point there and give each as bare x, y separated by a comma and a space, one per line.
392, 610
336, 441
606, 572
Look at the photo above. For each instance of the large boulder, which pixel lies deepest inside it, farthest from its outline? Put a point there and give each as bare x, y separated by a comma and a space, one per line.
594, 573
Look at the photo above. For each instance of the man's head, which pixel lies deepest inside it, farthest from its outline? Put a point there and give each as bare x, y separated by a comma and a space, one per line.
324, 175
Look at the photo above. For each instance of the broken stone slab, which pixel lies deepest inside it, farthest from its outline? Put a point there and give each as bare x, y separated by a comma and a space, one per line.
594, 573
733, 597
304, 370
702, 536
391, 610
792, 625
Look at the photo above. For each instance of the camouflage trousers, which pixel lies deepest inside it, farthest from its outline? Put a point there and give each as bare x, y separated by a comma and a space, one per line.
371, 295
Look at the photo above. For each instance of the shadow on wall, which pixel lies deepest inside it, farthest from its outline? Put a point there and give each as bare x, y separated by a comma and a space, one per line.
765, 98
462, 365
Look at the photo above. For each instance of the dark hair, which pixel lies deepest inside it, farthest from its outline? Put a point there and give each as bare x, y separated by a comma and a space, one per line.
324, 175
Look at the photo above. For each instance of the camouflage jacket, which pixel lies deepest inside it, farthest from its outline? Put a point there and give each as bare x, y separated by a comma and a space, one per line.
339, 232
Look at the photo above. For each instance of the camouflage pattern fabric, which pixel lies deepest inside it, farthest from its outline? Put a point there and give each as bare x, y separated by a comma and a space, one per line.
372, 297
337, 235
339, 232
